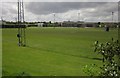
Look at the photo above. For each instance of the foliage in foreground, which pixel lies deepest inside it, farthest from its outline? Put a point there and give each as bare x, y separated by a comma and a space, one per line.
111, 57
90, 70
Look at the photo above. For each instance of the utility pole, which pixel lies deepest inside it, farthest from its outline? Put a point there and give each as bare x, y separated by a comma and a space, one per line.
1, 23
21, 26
112, 16
54, 19
2, 20
78, 17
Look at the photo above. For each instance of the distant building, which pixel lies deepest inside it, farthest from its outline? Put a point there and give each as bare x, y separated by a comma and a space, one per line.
40, 24
72, 24
91, 24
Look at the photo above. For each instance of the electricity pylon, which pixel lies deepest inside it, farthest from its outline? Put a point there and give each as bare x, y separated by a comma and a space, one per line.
21, 26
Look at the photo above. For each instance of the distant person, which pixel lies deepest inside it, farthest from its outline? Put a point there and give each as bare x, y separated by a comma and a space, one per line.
107, 28
18, 35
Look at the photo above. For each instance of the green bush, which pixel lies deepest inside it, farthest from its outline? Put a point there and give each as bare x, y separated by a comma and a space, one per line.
110, 52
90, 70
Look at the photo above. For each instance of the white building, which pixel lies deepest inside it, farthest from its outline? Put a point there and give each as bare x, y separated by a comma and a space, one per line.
40, 24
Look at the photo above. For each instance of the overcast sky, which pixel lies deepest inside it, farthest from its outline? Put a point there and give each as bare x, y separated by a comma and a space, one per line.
44, 11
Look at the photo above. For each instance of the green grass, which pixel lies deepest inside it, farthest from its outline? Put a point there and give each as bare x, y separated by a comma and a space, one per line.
49, 51
0, 52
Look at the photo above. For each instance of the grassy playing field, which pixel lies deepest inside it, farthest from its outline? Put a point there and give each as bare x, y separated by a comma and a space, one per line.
0, 52
49, 51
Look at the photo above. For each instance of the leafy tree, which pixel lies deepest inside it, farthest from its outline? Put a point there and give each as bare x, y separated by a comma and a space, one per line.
111, 57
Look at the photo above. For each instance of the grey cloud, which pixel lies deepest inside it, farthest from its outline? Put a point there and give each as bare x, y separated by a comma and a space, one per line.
45, 9
109, 7
103, 10
6, 11
60, 7
62, 0
7, 7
